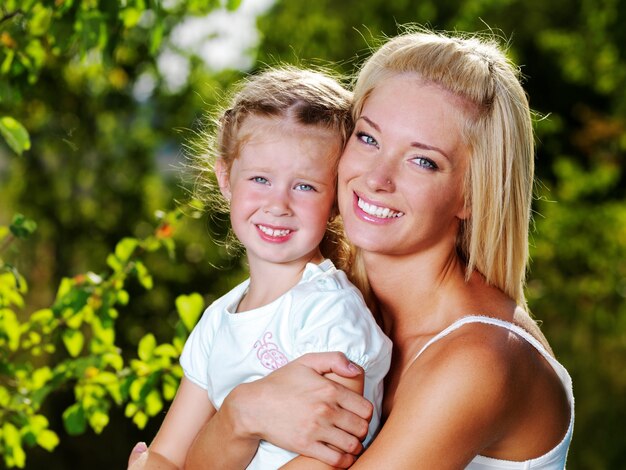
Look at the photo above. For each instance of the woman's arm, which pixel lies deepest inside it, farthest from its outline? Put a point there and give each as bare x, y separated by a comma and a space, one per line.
355, 384
450, 405
189, 411
295, 408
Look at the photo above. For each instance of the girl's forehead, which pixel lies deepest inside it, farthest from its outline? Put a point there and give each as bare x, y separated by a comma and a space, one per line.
262, 129
259, 125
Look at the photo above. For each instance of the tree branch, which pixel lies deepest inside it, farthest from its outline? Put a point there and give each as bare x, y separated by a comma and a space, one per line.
8, 16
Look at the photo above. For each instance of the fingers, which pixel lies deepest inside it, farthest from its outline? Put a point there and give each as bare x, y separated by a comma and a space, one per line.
355, 426
354, 403
324, 363
136, 453
331, 457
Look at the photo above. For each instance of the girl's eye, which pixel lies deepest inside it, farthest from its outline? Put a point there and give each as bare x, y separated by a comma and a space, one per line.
366, 139
425, 163
259, 179
304, 187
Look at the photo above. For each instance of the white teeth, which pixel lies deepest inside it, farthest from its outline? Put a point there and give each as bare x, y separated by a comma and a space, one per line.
380, 212
272, 232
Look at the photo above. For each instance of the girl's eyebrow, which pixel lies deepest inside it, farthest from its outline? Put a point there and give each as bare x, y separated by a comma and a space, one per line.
419, 145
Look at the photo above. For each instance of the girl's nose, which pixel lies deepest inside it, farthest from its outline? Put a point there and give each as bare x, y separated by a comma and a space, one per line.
277, 204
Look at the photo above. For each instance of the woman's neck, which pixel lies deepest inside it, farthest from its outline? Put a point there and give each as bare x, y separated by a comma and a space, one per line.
415, 292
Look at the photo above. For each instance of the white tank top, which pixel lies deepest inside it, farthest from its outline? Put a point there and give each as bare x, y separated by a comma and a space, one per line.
552, 460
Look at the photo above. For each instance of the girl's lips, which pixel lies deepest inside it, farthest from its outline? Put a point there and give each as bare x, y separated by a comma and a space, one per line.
374, 213
274, 234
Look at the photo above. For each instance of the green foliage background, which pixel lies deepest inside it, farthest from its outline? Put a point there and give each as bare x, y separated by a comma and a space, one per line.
97, 163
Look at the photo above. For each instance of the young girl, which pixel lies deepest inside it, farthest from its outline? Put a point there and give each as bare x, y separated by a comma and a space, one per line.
277, 150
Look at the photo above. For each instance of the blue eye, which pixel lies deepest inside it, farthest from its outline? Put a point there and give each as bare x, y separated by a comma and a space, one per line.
366, 139
425, 163
304, 187
259, 179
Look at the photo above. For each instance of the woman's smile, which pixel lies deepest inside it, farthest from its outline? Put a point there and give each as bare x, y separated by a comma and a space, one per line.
375, 212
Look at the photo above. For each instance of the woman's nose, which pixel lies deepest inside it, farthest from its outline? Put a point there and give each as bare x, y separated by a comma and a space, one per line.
380, 178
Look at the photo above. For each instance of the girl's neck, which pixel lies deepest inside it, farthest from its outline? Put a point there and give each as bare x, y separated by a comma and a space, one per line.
269, 281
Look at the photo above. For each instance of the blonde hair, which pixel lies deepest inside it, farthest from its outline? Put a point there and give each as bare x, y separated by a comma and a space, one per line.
498, 131
311, 99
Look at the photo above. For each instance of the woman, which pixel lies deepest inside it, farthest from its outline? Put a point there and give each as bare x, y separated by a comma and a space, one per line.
435, 191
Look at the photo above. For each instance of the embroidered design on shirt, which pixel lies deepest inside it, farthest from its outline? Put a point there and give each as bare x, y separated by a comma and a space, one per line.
268, 353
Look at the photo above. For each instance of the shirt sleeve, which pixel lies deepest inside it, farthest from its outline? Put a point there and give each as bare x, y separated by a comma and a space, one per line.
339, 320
194, 358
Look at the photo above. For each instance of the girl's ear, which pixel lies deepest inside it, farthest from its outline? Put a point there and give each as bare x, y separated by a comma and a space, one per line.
221, 173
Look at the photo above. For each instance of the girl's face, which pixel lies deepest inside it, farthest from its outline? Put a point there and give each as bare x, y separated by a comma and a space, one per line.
401, 174
281, 189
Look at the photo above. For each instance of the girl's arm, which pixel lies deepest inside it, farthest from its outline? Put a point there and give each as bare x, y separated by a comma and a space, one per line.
295, 408
189, 412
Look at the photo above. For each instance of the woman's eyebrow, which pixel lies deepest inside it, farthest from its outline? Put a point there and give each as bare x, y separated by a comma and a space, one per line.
370, 122
419, 145
423, 146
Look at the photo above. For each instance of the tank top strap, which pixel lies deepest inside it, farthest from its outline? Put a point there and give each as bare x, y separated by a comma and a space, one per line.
560, 370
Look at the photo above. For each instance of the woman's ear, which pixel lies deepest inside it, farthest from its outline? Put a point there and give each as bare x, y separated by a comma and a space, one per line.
465, 211
221, 173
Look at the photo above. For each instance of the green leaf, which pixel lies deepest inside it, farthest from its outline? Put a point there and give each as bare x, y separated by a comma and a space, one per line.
154, 404
144, 277
73, 340
10, 328
15, 134
48, 439
8, 60
114, 360
125, 248
65, 286
140, 419
13, 441
98, 421
75, 320
42, 316
130, 410
41, 376
40, 20
130, 17
114, 263
5, 397
170, 386
189, 309
74, 420
146, 347
166, 350
122, 297
233, 4
22, 227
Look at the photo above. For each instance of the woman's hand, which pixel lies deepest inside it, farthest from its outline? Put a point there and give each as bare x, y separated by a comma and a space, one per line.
297, 408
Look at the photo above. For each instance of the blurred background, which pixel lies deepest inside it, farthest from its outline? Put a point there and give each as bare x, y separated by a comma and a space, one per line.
111, 94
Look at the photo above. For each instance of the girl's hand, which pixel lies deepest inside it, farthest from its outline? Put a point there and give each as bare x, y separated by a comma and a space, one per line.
297, 408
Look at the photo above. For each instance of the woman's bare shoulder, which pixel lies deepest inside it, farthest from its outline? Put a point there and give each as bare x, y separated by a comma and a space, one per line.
456, 395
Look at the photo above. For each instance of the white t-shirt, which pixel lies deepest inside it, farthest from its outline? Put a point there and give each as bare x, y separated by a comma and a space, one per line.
323, 312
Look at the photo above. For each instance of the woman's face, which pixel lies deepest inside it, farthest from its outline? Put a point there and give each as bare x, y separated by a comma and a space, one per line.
401, 175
